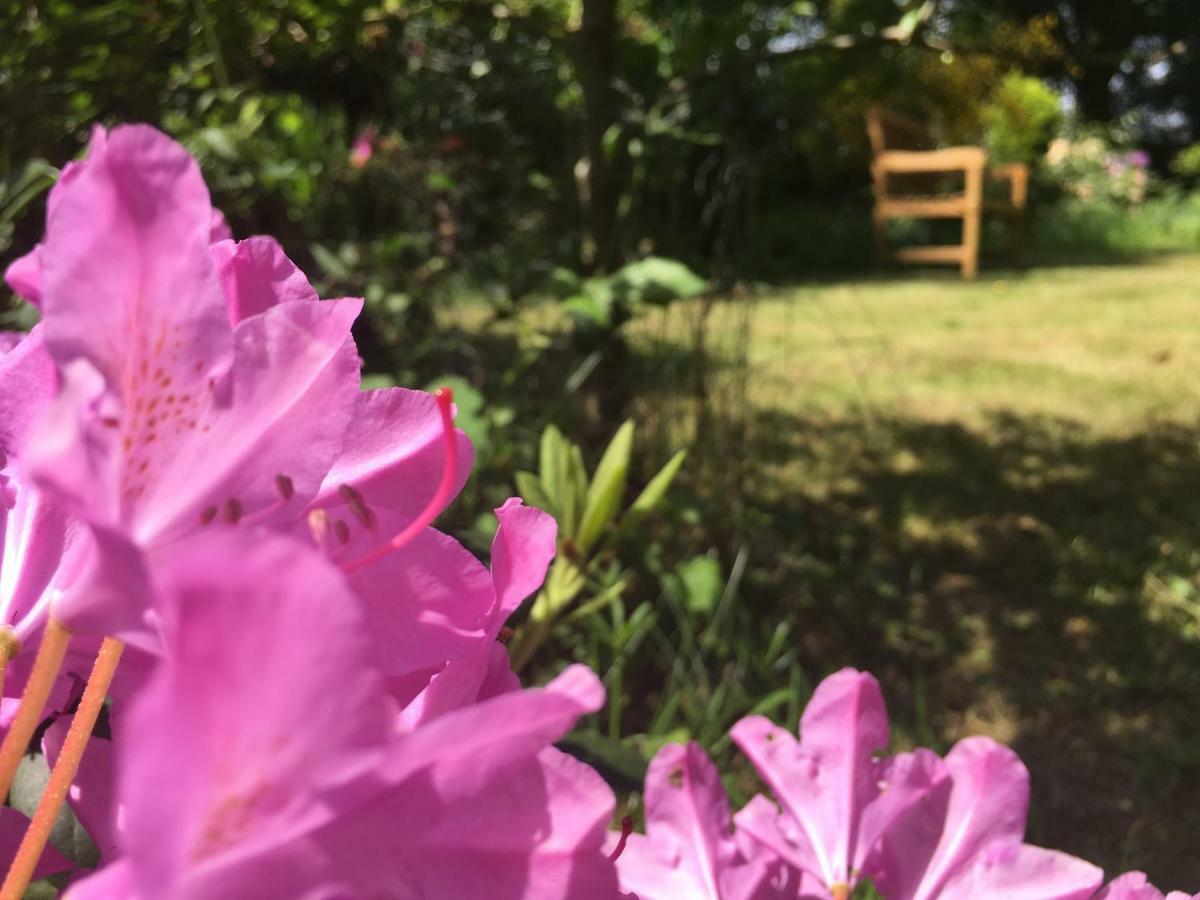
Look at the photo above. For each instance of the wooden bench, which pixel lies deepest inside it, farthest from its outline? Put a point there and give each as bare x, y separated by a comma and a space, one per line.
909, 175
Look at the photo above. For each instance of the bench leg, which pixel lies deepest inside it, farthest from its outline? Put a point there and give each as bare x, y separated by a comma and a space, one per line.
879, 248
1019, 224
972, 221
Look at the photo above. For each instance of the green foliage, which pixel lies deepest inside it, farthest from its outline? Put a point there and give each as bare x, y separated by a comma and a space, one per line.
608, 302
19, 191
1186, 163
588, 509
1019, 119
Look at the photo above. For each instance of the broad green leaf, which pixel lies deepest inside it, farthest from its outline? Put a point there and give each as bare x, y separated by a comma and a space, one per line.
607, 487
656, 280
699, 581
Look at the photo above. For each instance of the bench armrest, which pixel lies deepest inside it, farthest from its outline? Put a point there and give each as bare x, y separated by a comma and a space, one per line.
950, 159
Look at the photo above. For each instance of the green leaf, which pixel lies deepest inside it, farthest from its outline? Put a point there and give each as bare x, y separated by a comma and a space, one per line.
577, 478
619, 763
330, 262
864, 890
656, 280
607, 487
529, 486
551, 462
699, 582
652, 495
471, 416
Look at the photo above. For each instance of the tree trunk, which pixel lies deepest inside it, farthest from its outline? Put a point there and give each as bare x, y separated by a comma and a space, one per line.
596, 62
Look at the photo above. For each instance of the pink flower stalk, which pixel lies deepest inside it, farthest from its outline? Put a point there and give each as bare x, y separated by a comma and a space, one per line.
363, 147
1135, 886
838, 799
269, 761
689, 849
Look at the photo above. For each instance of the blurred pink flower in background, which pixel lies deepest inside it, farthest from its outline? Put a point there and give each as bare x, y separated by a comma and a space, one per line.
363, 147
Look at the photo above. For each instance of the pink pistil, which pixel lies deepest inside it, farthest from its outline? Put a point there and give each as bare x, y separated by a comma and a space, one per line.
445, 401
626, 831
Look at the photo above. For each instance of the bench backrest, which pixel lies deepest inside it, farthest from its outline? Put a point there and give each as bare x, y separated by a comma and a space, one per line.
891, 131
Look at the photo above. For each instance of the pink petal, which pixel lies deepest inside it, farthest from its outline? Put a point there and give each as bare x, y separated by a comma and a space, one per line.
36, 535
113, 882
535, 833
109, 590
521, 552
509, 727
988, 805
690, 851
128, 284
826, 780
12, 828
687, 816
426, 603
93, 792
1025, 872
761, 821
256, 274
218, 228
213, 450
393, 453
28, 383
24, 276
1130, 886
264, 703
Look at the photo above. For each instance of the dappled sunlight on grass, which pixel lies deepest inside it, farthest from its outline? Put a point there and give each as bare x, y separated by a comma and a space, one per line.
986, 494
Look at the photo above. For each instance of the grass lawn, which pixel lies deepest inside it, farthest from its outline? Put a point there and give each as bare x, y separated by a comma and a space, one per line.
988, 494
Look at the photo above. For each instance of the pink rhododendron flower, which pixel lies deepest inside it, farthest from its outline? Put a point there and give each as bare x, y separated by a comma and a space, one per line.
838, 799
1135, 886
270, 760
689, 849
363, 147
971, 843
202, 384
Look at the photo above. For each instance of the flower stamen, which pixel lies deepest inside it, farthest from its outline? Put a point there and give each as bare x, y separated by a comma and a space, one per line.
46, 666
66, 767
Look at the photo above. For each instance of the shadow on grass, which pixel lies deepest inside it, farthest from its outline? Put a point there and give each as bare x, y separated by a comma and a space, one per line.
1026, 579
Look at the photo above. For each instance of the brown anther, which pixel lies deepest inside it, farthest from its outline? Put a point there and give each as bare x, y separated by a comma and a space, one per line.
505, 635
286, 489
233, 510
318, 525
208, 515
342, 530
357, 505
